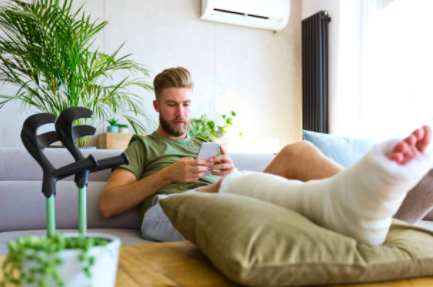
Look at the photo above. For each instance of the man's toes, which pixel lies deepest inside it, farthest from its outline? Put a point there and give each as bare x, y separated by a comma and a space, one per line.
397, 157
401, 147
419, 133
411, 140
410, 154
425, 140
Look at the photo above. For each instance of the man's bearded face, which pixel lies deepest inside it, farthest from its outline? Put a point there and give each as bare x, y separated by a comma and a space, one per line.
178, 127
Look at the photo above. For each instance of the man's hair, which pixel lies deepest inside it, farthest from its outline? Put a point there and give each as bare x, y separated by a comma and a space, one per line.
178, 77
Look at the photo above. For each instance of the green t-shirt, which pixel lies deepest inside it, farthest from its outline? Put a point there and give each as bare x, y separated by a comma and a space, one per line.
151, 153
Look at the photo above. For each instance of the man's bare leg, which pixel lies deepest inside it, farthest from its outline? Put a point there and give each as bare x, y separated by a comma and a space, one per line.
302, 161
359, 201
211, 188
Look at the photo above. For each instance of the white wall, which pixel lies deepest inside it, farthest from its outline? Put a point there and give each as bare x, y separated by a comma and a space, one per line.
344, 61
255, 72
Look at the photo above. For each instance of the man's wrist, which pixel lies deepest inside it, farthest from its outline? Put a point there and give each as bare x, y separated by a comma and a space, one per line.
165, 172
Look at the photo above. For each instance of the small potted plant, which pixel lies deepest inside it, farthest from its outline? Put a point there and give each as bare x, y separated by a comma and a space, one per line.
123, 128
113, 127
62, 260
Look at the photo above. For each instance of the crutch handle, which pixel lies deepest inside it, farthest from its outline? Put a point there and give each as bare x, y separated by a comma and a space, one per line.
48, 138
67, 134
76, 167
111, 162
50, 179
32, 141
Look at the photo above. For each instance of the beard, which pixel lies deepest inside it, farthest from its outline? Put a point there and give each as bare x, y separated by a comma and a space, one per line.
172, 129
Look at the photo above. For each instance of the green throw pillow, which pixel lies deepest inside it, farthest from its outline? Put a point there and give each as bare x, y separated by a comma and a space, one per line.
260, 244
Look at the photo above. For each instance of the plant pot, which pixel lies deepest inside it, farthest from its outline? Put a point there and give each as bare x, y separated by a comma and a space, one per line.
112, 129
124, 130
103, 271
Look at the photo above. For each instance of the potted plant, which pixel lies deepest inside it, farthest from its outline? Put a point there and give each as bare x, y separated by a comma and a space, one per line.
62, 260
113, 127
123, 128
207, 129
47, 51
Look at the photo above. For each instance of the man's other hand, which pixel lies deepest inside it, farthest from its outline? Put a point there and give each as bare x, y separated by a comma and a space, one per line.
187, 169
222, 162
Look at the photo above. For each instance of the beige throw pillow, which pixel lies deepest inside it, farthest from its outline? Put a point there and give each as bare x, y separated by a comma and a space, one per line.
260, 244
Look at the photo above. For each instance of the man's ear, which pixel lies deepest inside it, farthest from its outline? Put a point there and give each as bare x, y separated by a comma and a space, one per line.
156, 105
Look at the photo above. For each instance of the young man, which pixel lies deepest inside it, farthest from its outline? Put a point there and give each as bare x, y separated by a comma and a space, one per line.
163, 164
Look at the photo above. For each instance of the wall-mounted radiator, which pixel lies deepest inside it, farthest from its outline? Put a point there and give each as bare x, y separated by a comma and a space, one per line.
315, 73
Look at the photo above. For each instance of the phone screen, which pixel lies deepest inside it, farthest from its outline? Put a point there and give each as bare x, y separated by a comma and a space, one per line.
207, 151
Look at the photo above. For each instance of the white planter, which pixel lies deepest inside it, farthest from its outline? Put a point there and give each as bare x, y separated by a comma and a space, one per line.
112, 129
103, 271
124, 130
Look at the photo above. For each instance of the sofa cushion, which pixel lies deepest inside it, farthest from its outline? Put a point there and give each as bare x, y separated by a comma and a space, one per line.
127, 236
260, 244
343, 150
23, 207
251, 162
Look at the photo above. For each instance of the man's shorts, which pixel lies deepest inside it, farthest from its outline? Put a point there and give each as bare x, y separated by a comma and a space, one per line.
156, 226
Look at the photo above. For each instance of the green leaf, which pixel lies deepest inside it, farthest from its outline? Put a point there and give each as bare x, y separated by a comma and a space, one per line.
211, 124
113, 122
47, 51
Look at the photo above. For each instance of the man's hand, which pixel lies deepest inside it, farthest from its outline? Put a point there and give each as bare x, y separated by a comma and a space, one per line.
223, 163
187, 169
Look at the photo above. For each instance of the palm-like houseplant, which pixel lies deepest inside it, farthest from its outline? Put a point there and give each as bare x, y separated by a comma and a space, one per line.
46, 50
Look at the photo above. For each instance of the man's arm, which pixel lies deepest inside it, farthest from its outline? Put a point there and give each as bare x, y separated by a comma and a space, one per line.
123, 191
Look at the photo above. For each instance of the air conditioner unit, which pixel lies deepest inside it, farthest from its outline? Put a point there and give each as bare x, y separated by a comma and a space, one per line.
265, 14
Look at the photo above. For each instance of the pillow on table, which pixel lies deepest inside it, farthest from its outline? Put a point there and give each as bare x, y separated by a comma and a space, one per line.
260, 244
343, 150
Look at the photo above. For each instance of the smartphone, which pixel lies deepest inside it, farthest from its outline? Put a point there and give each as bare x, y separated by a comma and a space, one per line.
208, 150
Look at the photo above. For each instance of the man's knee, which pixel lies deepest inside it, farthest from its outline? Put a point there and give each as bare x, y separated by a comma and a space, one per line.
299, 148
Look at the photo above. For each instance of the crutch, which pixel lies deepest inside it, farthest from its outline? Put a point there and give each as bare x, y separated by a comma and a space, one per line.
68, 135
35, 144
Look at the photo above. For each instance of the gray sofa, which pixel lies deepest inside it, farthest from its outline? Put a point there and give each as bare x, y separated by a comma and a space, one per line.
22, 205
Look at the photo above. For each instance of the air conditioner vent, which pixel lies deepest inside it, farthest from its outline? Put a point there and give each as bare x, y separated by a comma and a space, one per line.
265, 14
238, 13
257, 16
227, 11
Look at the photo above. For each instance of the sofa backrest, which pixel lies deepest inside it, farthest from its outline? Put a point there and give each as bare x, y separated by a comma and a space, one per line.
16, 164
22, 205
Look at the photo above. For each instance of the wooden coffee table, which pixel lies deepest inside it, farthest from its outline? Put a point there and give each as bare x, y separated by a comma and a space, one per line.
167, 264
181, 264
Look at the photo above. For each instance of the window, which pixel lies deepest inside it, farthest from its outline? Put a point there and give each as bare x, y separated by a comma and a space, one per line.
397, 68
